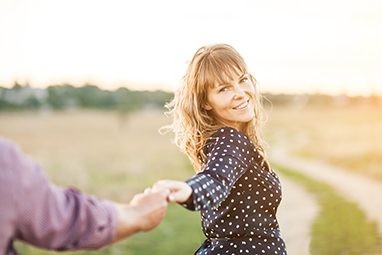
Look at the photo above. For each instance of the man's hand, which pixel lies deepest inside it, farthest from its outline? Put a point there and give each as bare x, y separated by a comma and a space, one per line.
151, 207
145, 212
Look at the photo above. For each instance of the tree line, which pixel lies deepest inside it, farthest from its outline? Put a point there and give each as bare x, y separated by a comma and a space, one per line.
62, 97
66, 96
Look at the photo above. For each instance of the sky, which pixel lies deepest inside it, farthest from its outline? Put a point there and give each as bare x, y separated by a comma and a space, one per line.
291, 46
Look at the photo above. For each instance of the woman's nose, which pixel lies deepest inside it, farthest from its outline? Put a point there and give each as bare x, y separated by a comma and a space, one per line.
238, 91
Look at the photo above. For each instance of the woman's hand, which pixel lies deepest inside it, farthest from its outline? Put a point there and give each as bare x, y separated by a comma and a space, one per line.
180, 191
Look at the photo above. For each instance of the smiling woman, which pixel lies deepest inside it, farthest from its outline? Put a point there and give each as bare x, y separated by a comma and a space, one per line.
217, 114
232, 102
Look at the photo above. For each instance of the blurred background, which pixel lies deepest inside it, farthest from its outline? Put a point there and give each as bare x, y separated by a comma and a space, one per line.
83, 86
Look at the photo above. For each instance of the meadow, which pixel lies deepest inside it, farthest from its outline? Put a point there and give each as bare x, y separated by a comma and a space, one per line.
116, 156
340, 227
346, 136
111, 156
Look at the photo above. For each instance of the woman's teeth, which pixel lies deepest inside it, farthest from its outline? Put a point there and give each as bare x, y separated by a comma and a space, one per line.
242, 105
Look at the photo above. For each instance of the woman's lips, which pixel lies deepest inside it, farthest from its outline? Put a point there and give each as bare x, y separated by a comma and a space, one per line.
242, 105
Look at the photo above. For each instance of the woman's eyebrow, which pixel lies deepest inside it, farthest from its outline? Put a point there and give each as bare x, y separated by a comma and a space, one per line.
225, 83
221, 85
242, 76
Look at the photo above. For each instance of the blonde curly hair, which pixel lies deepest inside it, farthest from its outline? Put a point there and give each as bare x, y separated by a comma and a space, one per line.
192, 123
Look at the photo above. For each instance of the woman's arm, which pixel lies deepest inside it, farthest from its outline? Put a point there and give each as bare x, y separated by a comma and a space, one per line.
227, 160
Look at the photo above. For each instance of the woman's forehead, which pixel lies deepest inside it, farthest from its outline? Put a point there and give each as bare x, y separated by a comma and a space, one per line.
229, 75
217, 71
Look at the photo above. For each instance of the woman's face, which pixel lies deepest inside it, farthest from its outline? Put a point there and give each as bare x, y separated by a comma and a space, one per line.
232, 103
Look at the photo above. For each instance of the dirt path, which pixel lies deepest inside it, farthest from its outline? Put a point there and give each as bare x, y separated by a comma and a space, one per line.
295, 218
367, 193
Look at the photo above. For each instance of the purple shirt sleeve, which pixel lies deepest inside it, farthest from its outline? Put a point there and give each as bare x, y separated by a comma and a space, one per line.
34, 210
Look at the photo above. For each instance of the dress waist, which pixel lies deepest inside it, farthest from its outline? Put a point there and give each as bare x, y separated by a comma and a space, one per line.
258, 234
247, 244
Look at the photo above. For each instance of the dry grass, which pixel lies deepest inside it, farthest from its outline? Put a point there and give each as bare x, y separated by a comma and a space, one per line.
75, 147
348, 137
104, 154
112, 157
87, 149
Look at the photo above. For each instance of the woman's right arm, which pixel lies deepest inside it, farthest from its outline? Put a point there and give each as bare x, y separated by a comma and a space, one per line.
228, 160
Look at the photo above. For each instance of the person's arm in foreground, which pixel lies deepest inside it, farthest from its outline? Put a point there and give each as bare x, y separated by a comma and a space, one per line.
36, 211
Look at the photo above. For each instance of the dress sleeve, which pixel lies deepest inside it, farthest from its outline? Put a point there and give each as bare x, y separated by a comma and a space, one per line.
52, 217
227, 159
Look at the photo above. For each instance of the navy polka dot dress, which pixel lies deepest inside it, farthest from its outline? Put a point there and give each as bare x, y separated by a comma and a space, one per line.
238, 196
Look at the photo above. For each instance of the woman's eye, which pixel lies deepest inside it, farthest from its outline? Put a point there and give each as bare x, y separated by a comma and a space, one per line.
244, 79
223, 89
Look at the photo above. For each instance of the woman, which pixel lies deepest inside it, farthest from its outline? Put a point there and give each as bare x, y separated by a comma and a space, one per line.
217, 115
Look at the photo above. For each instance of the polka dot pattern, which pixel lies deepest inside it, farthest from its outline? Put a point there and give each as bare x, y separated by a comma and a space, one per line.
237, 194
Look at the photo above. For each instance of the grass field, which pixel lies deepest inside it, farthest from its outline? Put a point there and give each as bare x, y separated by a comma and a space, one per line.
110, 157
340, 227
114, 156
349, 137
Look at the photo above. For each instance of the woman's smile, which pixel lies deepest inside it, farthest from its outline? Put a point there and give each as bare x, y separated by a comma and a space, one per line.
232, 102
242, 106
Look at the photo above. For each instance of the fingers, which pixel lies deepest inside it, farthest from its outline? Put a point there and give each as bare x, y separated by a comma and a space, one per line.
157, 194
160, 187
181, 196
168, 184
150, 208
149, 196
180, 191
176, 197
161, 190
166, 191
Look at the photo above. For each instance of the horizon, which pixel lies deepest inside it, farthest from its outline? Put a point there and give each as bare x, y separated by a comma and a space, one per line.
151, 89
293, 46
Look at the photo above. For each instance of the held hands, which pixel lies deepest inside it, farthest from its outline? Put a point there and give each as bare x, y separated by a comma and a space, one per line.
151, 207
179, 191
144, 212
147, 210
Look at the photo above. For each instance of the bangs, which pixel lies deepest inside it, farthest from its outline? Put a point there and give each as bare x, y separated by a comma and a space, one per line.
220, 68
193, 124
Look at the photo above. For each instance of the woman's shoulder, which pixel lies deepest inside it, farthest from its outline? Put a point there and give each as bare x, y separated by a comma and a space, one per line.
231, 134
230, 138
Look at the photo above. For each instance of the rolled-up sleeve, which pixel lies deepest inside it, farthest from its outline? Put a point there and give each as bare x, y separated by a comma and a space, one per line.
53, 217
